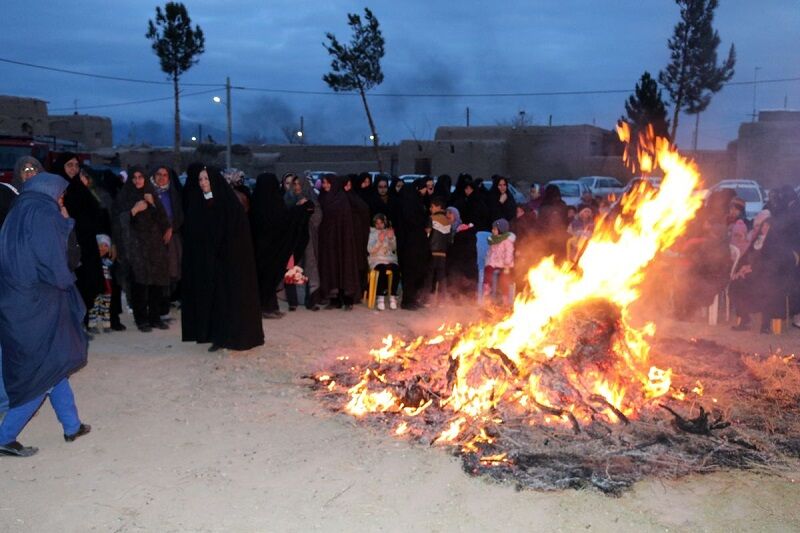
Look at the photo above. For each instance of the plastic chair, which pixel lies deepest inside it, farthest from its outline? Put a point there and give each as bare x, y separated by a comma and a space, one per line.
481, 246
372, 291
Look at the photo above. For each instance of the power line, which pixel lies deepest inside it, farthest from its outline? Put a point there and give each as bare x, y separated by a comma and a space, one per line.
100, 106
103, 77
376, 94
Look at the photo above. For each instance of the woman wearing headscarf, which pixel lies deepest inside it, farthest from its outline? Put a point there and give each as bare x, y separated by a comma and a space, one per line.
552, 224
358, 195
412, 242
760, 283
25, 168
339, 257
462, 257
298, 237
501, 201
269, 223
168, 190
84, 208
442, 188
143, 233
469, 201
219, 284
37, 290
364, 188
382, 200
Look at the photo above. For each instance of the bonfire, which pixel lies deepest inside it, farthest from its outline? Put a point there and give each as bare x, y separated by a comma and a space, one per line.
562, 391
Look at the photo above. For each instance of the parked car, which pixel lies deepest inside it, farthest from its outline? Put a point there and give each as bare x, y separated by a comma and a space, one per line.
747, 190
654, 181
518, 196
603, 186
410, 178
375, 175
571, 191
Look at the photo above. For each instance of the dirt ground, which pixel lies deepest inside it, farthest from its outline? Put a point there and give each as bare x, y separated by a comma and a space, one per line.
186, 440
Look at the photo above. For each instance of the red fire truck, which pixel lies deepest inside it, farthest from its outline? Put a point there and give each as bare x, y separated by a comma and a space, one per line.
45, 149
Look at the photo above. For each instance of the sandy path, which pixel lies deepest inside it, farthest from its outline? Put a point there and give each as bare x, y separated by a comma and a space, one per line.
187, 440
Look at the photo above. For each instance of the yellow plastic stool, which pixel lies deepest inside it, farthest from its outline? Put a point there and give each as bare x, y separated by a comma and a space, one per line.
372, 292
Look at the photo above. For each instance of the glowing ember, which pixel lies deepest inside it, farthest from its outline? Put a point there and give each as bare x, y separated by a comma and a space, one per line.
567, 354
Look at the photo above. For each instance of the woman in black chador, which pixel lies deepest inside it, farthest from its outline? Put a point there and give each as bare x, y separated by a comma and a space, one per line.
339, 257
269, 222
412, 243
84, 208
220, 289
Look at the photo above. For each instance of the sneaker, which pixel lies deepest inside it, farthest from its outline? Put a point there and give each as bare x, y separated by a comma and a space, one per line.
392, 302
380, 303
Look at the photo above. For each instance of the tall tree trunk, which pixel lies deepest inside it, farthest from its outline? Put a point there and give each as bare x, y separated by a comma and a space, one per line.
675, 121
375, 140
696, 131
177, 139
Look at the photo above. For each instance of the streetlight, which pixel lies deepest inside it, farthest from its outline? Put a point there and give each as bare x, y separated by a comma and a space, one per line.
194, 139
218, 100
301, 132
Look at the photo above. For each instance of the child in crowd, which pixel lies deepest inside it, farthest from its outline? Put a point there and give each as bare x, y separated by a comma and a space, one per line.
582, 226
499, 260
382, 248
439, 239
100, 313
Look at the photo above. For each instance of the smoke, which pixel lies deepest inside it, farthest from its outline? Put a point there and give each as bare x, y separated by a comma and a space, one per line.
267, 119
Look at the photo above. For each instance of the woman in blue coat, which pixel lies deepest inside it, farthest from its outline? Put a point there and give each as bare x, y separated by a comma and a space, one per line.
41, 313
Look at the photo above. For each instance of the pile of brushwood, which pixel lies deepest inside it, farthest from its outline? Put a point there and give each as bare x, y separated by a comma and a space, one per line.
736, 412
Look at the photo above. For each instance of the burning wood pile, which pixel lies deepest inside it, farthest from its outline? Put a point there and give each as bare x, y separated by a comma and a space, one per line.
563, 391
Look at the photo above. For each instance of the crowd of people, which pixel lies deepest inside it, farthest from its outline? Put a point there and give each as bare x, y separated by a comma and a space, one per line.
73, 242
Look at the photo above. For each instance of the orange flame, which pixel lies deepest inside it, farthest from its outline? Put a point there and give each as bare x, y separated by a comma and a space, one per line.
610, 269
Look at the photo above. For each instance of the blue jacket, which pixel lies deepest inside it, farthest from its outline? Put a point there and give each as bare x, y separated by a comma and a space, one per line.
41, 311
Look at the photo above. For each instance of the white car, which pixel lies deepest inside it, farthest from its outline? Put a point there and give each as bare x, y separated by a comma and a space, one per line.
603, 186
654, 181
571, 191
747, 190
411, 178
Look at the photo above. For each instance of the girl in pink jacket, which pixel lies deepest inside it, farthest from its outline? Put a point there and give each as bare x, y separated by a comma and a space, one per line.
499, 260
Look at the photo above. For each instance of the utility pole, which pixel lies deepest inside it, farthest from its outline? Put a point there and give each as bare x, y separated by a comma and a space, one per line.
230, 126
468, 116
302, 132
755, 87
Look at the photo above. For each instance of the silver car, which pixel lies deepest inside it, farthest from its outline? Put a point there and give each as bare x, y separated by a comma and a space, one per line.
571, 191
747, 190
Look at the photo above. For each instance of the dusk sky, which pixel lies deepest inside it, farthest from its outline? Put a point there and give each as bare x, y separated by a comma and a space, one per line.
431, 47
